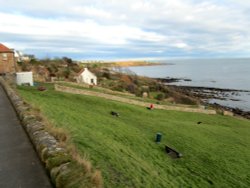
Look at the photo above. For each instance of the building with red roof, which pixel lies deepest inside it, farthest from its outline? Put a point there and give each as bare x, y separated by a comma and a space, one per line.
7, 60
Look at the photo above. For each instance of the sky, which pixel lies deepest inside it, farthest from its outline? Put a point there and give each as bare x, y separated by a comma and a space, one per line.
127, 29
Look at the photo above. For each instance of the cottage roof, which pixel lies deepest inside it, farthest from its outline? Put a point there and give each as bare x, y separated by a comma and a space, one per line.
86, 70
83, 70
79, 73
4, 49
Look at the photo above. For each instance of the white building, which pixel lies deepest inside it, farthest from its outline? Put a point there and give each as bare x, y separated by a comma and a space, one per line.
85, 76
22, 57
24, 78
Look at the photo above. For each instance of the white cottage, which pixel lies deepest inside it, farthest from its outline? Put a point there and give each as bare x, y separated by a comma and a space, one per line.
85, 76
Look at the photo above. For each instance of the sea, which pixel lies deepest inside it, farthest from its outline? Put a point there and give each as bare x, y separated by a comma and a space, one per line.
216, 73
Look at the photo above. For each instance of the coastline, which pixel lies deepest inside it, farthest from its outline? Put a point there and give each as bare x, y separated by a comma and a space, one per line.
208, 94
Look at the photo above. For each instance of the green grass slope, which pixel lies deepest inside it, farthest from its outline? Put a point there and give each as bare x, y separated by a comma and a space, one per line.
216, 153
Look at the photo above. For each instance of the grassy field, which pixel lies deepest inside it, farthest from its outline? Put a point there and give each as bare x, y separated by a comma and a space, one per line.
216, 153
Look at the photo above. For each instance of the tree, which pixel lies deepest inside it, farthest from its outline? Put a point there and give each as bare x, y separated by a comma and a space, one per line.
67, 60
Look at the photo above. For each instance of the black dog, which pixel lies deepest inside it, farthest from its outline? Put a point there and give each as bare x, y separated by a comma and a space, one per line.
114, 114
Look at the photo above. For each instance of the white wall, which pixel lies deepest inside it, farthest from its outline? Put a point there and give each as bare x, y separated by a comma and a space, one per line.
24, 78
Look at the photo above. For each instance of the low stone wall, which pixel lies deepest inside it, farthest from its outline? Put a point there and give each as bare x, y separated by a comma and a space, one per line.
130, 101
108, 91
228, 113
57, 160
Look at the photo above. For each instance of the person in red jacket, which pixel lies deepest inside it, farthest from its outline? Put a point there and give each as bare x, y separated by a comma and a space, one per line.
151, 106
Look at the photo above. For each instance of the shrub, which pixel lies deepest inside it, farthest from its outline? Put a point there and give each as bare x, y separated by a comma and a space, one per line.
33, 61
182, 99
119, 87
138, 92
131, 88
160, 96
106, 75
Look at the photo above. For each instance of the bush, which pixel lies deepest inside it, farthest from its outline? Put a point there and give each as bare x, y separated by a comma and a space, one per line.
119, 87
66, 72
160, 96
182, 99
33, 61
131, 88
138, 92
106, 75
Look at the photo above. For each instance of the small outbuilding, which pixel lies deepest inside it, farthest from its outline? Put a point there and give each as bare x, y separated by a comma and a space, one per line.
24, 78
85, 76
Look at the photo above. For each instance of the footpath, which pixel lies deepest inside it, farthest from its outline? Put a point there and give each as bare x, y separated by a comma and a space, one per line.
20, 166
130, 101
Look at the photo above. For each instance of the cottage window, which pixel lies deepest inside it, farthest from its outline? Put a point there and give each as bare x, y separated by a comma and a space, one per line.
4, 56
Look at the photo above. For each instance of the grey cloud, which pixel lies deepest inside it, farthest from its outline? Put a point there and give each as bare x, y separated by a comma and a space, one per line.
180, 26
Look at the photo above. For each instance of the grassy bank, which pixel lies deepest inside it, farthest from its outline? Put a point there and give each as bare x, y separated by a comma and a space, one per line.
215, 153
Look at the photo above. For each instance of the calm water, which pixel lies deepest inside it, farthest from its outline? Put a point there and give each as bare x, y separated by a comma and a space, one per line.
218, 73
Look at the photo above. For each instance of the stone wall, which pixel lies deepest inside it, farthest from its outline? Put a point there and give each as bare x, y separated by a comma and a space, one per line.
105, 90
7, 64
57, 160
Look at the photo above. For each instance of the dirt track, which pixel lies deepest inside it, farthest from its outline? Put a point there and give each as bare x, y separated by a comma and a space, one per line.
130, 101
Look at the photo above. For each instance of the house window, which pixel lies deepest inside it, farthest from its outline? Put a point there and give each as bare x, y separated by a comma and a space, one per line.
92, 81
4, 56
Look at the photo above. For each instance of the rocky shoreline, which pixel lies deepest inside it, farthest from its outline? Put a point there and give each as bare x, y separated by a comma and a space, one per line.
172, 80
208, 94
205, 94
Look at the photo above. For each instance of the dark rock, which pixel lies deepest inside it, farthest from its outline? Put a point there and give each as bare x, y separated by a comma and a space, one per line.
114, 113
41, 88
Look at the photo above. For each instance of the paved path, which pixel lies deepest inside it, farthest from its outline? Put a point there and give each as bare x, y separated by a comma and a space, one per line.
19, 164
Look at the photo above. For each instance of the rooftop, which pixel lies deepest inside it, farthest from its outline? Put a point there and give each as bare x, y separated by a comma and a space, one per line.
4, 48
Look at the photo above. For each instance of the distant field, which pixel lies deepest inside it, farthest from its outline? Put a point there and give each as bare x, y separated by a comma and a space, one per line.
124, 63
134, 63
216, 153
